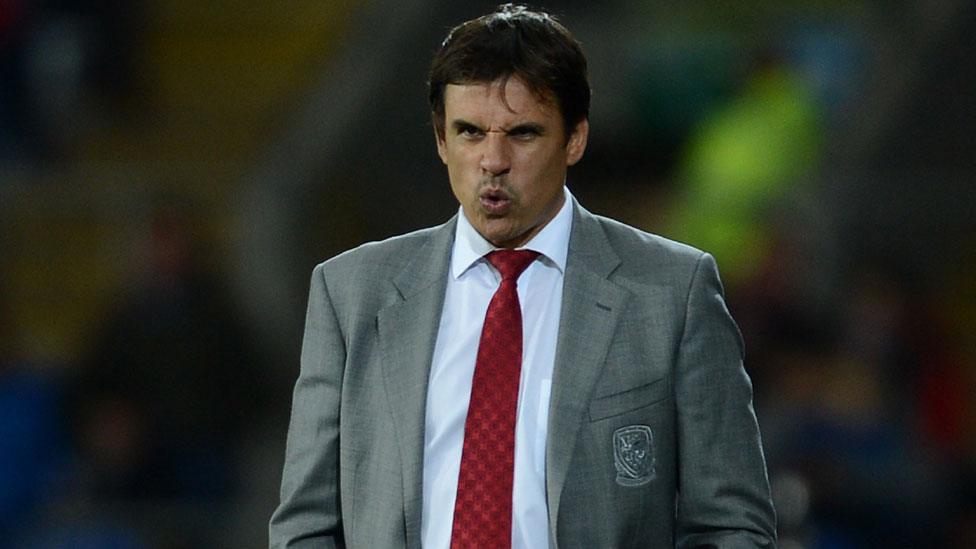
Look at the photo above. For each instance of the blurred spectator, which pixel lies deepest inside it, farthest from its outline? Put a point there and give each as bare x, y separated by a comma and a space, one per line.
841, 418
741, 160
33, 435
33, 460
172, 382
66, 68
14, 124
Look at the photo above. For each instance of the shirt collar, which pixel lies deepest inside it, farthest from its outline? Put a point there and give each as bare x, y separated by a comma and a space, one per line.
552, 242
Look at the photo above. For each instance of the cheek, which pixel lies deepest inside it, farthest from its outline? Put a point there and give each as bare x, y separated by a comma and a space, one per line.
461, 182
461, 162
542, 173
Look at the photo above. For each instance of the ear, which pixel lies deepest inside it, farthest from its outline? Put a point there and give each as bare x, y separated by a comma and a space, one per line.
441, 144
577, 142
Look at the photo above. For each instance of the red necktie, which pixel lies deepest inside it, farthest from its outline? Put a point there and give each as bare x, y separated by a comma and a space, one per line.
483, 509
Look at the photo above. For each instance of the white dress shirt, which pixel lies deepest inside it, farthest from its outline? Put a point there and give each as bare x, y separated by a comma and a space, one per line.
471, 283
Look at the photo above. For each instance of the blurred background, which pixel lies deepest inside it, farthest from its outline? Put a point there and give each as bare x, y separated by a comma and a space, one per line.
171, 171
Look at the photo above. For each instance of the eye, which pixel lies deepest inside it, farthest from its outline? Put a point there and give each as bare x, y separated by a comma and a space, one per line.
525, 133
469, 132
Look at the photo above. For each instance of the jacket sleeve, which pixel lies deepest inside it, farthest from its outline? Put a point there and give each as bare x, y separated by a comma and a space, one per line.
309, 514
723, 490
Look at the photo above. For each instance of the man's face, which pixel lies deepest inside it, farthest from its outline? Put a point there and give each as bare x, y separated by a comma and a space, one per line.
506, 154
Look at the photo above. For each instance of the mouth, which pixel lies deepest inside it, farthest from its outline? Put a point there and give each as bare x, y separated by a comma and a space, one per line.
495, 201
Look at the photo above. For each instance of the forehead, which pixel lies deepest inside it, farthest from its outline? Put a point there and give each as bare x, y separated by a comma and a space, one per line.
508, 98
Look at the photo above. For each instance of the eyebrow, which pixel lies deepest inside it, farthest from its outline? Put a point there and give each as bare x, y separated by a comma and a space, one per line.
460, 125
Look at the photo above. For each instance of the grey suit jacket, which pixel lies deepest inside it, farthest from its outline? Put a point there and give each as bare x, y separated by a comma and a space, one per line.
652, 439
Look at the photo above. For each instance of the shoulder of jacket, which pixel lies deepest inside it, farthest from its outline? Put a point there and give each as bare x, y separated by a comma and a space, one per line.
380, 254
631, 242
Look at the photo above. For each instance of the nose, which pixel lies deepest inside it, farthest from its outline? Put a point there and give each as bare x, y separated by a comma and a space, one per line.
496, 157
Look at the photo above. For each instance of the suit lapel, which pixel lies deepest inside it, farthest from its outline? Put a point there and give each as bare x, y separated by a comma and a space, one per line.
590, 309
407, 334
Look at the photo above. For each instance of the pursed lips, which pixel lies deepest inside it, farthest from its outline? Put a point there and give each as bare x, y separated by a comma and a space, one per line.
495, 201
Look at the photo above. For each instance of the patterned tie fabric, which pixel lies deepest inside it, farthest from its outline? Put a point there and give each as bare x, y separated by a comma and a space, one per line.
483, 509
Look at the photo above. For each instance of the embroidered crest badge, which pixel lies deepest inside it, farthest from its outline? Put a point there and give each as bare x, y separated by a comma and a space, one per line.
633, 455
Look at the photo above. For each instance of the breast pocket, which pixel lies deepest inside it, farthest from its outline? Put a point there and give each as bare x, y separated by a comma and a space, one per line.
632, 399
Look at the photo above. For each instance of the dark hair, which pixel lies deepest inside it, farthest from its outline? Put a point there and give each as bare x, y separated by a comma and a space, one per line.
513, 41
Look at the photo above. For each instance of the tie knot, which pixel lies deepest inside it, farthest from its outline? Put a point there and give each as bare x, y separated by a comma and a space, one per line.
511, 263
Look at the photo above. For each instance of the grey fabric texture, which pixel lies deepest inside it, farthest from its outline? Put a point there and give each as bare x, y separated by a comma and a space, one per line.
652, 438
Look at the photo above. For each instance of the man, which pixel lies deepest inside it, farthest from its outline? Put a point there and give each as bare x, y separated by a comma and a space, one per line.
527, 374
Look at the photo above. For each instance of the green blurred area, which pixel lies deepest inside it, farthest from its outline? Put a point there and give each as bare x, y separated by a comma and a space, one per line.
738, 165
